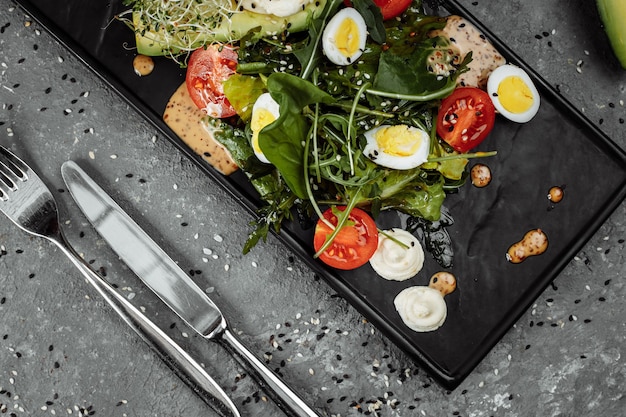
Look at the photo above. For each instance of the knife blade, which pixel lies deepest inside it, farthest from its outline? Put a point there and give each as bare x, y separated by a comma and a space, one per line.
190, 371
171, 284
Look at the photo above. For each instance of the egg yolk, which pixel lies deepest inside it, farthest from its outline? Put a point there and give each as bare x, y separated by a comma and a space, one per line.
260, 119
515, 95
398, 140
347, 37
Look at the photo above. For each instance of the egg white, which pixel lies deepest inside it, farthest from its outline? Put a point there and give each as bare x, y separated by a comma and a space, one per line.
384, 147
497, 77
333, 39
264, 112
281, 8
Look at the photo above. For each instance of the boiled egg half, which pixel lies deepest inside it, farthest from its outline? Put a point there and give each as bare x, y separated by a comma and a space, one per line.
281, 8
513, 93
344, 37
264, 112
397, 146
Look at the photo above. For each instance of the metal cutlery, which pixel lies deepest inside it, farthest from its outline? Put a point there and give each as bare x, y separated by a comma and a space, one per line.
27, 201
157, 270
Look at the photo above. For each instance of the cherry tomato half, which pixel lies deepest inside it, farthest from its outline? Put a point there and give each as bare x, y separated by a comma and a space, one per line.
389, 8
465, 118
207, 69
355, 243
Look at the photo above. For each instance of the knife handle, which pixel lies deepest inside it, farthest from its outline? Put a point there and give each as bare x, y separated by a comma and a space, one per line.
174, 356
289, 401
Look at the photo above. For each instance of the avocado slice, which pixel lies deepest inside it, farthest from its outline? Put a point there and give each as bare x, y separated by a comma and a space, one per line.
152, 42
613, 15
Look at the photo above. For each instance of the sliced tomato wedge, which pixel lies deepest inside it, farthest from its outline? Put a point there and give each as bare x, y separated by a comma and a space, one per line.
207, 69
465, 118
355, 243
389, 8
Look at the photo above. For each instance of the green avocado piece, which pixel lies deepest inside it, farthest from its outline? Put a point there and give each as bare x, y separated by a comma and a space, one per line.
613, 15
152, 42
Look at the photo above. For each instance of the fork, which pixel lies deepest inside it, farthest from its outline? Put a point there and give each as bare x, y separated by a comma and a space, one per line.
27, 202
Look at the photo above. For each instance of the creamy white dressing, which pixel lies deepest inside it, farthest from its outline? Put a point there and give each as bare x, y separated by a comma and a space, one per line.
421, 308
397, 260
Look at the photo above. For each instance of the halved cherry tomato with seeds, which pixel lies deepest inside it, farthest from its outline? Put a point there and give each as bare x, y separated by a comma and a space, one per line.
465, 118
355, 243
388, 8
207, 69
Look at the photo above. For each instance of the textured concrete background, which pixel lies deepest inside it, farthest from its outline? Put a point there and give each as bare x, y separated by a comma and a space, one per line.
63, 352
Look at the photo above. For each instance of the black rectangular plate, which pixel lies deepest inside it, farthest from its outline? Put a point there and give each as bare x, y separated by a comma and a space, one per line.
492, 293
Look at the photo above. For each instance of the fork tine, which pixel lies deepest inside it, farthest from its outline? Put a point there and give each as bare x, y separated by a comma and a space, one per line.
12, 171
14, 164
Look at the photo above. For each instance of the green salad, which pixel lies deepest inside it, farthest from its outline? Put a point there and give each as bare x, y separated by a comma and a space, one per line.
300, 122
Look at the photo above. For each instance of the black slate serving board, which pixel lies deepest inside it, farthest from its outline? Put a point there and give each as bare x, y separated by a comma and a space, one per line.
492, 293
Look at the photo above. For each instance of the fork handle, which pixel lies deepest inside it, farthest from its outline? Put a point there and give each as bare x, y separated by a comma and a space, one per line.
176, 358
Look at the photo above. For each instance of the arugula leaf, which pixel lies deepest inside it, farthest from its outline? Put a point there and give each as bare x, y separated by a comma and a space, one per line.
309, 55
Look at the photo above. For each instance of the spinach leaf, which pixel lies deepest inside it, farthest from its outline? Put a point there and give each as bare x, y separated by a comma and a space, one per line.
282, 141
410, 72
373, 19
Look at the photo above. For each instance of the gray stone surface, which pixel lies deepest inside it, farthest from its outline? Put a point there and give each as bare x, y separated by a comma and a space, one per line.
63, 352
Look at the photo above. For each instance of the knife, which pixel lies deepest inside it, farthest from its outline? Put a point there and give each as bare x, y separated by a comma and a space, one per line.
173, 355
166, 279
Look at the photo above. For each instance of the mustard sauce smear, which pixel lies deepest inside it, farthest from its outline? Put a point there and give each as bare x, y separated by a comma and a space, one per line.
185, 119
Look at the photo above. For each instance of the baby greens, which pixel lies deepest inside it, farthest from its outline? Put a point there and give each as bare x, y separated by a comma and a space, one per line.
315, 145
